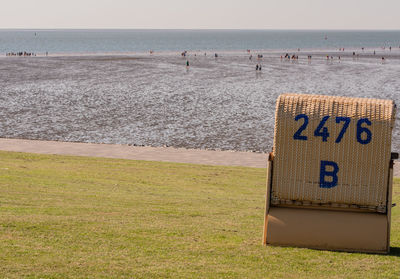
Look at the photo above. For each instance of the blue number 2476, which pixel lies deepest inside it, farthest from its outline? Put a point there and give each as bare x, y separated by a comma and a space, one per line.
363, 135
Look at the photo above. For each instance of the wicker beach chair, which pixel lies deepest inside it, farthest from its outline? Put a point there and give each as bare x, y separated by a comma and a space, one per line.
330, 174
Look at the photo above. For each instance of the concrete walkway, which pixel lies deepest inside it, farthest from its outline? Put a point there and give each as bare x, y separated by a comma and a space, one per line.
164, 154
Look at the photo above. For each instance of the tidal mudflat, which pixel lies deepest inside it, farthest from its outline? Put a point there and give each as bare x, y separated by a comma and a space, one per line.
155, 100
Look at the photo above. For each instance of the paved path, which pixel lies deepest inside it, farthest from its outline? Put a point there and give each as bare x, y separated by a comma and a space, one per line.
164, 154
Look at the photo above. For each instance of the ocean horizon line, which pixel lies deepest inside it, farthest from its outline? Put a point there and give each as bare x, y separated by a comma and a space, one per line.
192, 29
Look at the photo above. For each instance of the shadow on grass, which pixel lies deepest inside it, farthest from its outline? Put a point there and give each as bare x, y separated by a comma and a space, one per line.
394, 251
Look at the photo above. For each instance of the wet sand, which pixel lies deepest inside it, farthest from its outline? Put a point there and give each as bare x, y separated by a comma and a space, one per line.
154, 100
163, 154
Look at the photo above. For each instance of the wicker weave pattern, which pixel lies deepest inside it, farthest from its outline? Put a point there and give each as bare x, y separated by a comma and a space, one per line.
363, 168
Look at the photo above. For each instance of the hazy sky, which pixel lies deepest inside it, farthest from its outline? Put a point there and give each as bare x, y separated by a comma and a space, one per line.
210, 14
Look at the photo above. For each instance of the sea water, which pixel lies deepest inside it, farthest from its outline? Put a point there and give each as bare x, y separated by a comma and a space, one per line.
106, 41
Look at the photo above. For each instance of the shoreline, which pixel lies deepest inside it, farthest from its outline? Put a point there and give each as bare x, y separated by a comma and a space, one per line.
145, 153
367, 52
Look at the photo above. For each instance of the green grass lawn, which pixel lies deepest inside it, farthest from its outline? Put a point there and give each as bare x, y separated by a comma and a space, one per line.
79, 217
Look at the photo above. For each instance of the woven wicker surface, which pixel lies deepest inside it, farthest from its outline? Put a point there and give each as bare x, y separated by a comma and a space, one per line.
363, 162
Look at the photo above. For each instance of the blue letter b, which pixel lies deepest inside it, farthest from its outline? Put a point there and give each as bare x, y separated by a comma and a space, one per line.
323, 173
